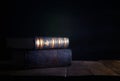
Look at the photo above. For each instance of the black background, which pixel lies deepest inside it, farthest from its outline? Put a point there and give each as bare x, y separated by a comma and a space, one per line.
88, 24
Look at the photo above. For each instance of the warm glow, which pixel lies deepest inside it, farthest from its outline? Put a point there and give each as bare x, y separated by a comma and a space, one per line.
37, 42
66, 41
59, 42
51, 42
41, 43
46, 43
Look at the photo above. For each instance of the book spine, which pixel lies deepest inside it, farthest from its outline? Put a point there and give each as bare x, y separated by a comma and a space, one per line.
53, 42
38, 43
43, 58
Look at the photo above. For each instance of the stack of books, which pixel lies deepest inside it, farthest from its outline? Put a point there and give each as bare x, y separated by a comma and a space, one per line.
40, 52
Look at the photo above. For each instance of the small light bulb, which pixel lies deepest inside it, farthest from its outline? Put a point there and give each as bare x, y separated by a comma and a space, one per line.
37, 42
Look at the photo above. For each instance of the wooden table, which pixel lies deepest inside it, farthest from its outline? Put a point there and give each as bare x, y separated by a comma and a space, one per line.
78, 68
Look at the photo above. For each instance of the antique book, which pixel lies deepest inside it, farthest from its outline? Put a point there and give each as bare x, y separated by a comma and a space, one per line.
42, 58
37, 42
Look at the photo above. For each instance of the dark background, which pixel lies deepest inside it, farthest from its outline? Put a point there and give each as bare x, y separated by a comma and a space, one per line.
88, 24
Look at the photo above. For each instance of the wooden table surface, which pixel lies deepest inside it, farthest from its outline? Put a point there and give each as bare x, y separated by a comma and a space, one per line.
78, 68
